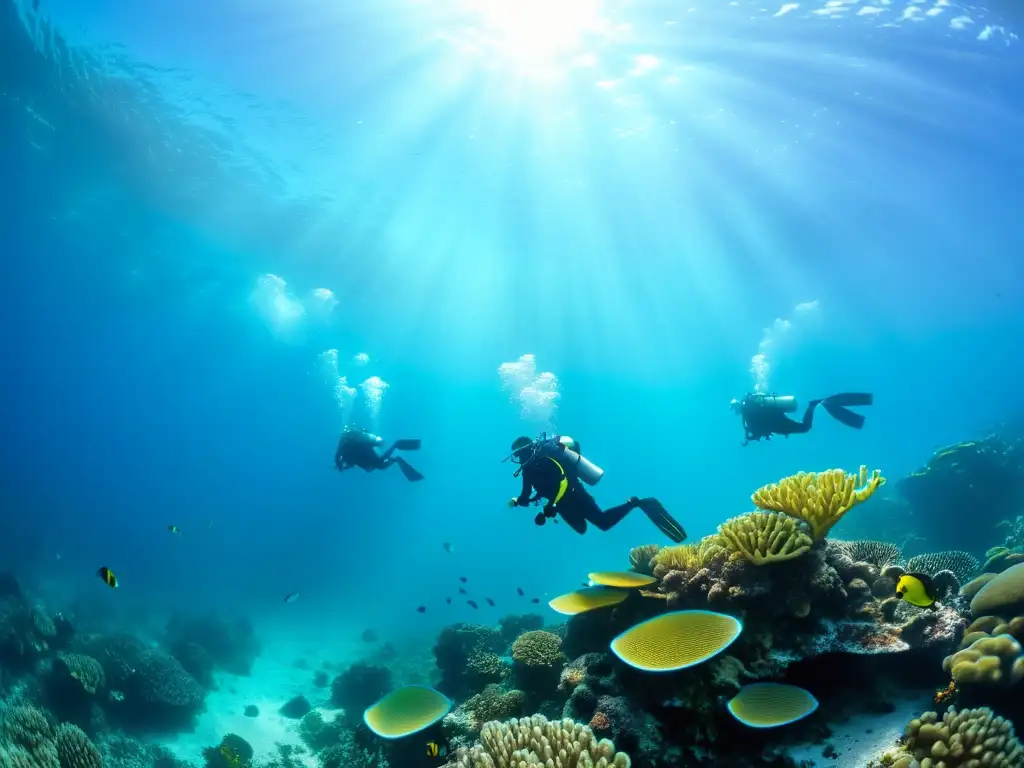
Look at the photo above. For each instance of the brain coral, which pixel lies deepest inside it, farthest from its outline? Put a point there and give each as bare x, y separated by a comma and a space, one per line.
534, 741
538, 649
1004, 591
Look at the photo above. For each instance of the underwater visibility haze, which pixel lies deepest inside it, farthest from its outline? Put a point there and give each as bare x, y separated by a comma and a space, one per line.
284, 283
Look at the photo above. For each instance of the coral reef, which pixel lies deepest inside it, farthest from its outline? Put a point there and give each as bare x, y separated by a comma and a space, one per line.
455, 645
359, 686
535, 741
641, 558
970, 737
537, 663
984, 476
1004, 593
996, 660
878, 553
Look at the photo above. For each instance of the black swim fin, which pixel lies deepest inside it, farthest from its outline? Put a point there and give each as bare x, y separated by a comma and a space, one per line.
850, 399
667, 524
408, 444
836, 407
410, 474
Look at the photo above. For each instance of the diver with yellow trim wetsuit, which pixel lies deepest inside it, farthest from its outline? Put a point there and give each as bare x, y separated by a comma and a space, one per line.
552, 469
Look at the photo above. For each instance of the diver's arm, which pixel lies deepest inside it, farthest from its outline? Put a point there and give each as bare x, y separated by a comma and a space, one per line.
524, 496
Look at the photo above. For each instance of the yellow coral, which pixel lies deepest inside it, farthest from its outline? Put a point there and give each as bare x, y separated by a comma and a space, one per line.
821, 499
687, 557
764, 537
535, 741
990, 660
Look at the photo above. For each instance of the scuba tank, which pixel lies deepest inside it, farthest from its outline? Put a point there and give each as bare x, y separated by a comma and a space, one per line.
782, 403
563, 448
357, 436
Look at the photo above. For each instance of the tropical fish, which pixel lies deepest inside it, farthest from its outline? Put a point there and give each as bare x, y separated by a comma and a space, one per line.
448, 600
436, 750
108, 577
421, 609
462, 591
292, 597
489, 601
535, 600
463, 579
519, 591
447, 547
173, 529
472, 604
917, 589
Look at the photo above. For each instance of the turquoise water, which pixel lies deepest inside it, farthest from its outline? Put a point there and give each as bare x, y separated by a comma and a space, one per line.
642, 210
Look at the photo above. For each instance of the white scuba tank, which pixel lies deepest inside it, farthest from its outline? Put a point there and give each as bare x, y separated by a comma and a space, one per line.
585, 470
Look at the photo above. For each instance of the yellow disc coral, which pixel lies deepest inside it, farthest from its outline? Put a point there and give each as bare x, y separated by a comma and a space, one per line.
819, 499
770, 705
763, 537
587, 599
406, 711
536, 741
621, 579
538, 648
687, 557
989, 660
676, 640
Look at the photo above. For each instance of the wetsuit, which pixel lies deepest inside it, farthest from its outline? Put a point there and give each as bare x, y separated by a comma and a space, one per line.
760, 421
354, 452
567, 497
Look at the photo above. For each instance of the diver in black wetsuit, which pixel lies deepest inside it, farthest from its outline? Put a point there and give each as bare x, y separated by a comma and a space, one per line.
358, 448
765, 415
551, 469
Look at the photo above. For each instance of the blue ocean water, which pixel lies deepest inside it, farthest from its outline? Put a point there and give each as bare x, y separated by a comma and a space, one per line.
217, 211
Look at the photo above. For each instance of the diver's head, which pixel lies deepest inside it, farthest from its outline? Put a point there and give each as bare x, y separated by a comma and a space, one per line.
522, 449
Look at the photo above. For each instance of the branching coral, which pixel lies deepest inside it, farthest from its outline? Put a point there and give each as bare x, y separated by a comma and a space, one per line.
995, 660
821, 499
688, 557
538, 649
963, 564
484, 666
763, 537
640, 558
535, 741
971, 737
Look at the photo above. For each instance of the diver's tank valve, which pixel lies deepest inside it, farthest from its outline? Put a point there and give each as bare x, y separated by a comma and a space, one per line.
782, 403
585, 470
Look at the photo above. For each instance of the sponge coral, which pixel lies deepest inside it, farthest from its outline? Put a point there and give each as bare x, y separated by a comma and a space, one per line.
534, 741
763, 537
538, 649
989, 660
821, 499
971, 737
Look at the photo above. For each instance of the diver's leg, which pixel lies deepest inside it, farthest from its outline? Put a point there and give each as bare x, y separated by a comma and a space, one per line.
387, 454
605, 520
572, 511
805, 424
848, 399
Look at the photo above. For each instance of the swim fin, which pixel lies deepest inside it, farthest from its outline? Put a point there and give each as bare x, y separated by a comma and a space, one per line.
410, 474
667, 524
408, 444
836, 407
848, 399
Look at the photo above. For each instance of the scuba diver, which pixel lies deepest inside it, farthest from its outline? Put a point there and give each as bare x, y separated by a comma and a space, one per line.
358, 448
765, 415
552, 469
